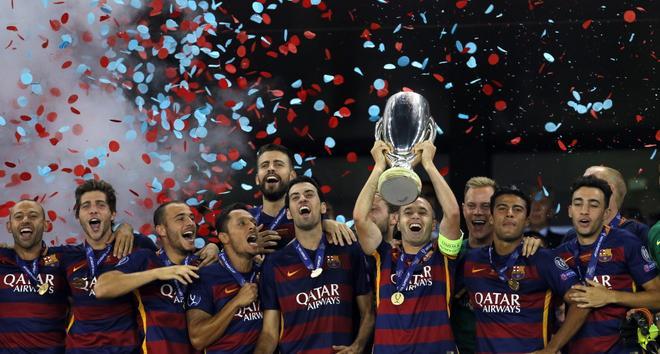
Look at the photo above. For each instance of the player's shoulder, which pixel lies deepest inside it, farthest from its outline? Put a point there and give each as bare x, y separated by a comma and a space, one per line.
7, 256
545, 257
476, 254
622, 237
212, 271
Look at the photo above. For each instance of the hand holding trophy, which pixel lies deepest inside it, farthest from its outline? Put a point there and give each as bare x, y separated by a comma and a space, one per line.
406, 122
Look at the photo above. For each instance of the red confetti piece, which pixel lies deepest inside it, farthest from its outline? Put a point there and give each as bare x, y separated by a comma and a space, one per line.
52, 215
75, 110
629, 16
461, 4
40, 110
233, 154
439, 77
487, 89
67, 64
65, 18
55, 92
333, 122
12, 28
113, 146
51, 116
351, 157
657, 135
55, 25
515, 141
325, 189
72, 99
444, 171
25, 176
345, 112
168, 183
561, 144
586, 24
500, 105
146, 158
493, 59
77, 129
309, 34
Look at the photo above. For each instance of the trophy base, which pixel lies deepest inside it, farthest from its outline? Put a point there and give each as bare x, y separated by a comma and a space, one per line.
399, 186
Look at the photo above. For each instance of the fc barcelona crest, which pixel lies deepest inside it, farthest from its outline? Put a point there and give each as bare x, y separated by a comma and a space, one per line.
50, 260
518, 272
605, 255
333, 261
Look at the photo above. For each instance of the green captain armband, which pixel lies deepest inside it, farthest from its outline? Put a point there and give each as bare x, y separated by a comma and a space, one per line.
450, 247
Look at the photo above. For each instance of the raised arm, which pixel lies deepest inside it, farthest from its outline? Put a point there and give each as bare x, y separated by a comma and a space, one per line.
270, 332
369, 235
115, 283
204, 329
450, 225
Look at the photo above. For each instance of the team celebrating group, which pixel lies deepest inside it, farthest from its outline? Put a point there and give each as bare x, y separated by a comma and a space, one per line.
286, 278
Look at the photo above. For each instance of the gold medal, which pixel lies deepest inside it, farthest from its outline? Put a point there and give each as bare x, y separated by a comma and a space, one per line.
43, 288
513, 284
316, 272
398, 298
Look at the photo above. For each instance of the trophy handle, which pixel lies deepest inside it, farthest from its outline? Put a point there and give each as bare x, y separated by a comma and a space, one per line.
378, 133
432, 129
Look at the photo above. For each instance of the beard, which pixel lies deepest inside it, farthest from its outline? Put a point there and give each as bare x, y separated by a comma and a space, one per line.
275, 194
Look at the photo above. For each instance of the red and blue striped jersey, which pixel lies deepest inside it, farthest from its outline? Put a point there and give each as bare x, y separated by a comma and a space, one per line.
633, 226
623, 264
317, 313
515, 321
210, 293
161, 306
100, 326
29, 322
421, 323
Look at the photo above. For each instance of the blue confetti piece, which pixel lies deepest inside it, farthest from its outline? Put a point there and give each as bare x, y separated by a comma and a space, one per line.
22, 101
330, 142
271, 129
328, 78
256, 18
295, 101
193, 202
238, 165
167, 166
358, 71
315, 2
471, 63
379, 84
26, 77
423, 16
297, 84
209, 157
607, 104
298, 159
449, 85
374, 110
463, 116
397, 28
368, 44
43, 171
459, 46
200, 243
308, 173
471, 47
545, 192
37, 89
381, 47
156, 186
389, 66
138, 77
403, 61
551, 127
581, 109
557, 208
489, 9
598, 106
3, 122
576, 95
549, 57
653, 154
319, 105
246, 187
244, 122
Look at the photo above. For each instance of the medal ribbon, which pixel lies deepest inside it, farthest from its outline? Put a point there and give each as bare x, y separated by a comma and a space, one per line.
617, 220
511, 260
404, 275
276, 222
593, 261
318, 260
92, 263
166, 261
31, 272
240, 279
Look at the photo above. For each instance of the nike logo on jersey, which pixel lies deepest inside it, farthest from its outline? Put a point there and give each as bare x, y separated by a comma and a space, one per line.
290, 274
231, 291
78, 267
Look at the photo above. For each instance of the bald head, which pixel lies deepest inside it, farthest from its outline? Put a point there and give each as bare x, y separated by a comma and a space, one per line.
26, 223
615, 179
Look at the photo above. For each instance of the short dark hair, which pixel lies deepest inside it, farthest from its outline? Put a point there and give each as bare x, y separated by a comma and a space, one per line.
510, 190
303, 179
592, 182
276, 147
222, 218
159, 213
100, 186
41, 207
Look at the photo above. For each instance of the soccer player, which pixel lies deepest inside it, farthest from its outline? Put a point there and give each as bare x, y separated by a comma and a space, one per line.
160, 279
224, 315
33, 293
512, 296
274, 171
617, 184
310, 288
539, 220
98, 325
413, 291
612, 262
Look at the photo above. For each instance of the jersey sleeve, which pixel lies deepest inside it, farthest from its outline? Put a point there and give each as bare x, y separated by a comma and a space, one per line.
200, 294
654, 242
267, 290
559, 276
137, 261
143, 242
641, 266
361, 271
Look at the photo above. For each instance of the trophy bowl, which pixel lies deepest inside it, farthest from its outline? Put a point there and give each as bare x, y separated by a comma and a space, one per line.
406, 122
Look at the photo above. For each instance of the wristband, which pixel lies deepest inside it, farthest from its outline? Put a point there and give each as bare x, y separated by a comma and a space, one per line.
450, 247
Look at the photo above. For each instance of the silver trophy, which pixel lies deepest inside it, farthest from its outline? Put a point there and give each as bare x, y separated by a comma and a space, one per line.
406, 122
